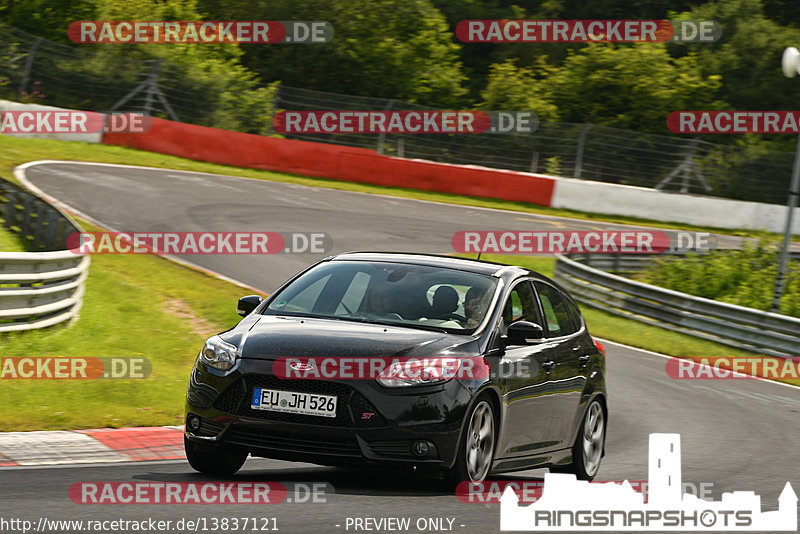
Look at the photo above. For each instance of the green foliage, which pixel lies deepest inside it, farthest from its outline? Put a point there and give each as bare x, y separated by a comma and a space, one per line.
626, 86
552, 166
381, 48
511, 88
747, 57
745, 277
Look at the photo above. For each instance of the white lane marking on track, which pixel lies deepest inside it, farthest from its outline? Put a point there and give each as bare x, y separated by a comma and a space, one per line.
55, 447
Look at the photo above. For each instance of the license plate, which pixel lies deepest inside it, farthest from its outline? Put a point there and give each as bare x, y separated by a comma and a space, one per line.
293, 402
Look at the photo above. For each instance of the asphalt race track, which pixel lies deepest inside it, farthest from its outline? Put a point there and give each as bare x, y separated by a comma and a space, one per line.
736, 434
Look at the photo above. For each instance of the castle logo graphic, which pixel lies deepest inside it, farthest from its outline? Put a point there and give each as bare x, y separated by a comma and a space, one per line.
568, 504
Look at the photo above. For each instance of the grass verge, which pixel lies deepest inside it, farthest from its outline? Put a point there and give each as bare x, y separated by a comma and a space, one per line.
11, 241
135, 306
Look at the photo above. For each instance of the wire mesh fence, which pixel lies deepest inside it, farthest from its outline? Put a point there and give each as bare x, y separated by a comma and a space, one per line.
36, 70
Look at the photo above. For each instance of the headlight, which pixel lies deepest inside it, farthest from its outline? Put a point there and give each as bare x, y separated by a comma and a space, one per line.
218, 354
419, 372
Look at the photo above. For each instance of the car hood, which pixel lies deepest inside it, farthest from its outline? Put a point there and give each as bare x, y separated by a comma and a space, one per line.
274, 337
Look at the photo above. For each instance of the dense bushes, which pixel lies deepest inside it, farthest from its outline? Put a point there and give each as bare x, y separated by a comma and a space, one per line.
745, 277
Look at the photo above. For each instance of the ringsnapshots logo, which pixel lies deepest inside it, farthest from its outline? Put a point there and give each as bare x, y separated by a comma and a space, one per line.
567, 504
199, 32
181, 243
405, 122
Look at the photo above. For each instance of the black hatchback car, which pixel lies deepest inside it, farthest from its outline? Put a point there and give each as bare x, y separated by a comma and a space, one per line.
455, 366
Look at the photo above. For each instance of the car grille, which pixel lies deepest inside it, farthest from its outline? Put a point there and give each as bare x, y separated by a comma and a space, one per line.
401, 448
350, 405
259, 438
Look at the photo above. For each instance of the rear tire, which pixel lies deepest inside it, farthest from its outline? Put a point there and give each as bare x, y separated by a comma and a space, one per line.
588, 448
477, 445
213, 459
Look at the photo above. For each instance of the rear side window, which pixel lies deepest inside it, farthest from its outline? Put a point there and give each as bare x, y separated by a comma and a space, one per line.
557, 321
520, 306
574, 313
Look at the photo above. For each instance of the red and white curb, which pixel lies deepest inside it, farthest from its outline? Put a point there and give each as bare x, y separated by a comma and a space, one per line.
91, 446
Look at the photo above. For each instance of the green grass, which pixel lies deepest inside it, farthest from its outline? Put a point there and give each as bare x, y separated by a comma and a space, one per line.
11, 241
135, 306
14, 151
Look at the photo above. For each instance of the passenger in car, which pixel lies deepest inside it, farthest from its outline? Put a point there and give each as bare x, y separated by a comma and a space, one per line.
445, 302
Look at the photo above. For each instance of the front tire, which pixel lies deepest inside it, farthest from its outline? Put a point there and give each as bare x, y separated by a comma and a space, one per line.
213, 459
588, 448
476, 450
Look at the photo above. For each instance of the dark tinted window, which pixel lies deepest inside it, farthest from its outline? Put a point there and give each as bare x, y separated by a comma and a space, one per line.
557, 321
520, 306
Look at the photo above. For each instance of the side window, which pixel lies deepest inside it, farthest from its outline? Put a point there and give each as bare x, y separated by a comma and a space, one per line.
557, 320
520, 305
574, 313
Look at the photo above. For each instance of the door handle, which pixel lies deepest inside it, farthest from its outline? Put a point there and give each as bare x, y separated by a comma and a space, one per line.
548, 365
576, 348
584, 359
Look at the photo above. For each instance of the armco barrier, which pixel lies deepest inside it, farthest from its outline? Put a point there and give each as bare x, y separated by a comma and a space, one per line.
735, 326
332, 161
38, 289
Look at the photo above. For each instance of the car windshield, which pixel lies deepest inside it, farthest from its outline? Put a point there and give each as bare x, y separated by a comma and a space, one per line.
418, 296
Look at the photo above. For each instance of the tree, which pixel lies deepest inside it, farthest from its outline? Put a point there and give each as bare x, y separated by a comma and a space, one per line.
381, 48
627, 86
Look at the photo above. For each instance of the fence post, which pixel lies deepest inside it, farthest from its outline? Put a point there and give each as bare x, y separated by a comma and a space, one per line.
382, 136
579, 151
535, 161
28, 66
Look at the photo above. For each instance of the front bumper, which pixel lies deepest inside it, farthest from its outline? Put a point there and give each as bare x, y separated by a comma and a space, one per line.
373, 424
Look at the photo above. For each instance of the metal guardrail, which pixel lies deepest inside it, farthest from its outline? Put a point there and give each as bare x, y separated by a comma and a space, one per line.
38, 289
735, 326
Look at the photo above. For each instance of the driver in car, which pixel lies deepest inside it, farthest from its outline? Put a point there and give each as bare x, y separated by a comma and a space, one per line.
473, 306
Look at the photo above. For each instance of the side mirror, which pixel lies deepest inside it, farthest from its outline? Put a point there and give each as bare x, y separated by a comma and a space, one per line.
524, 333
247, 304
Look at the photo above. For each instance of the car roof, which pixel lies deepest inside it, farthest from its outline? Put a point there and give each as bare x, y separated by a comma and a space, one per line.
498, 270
